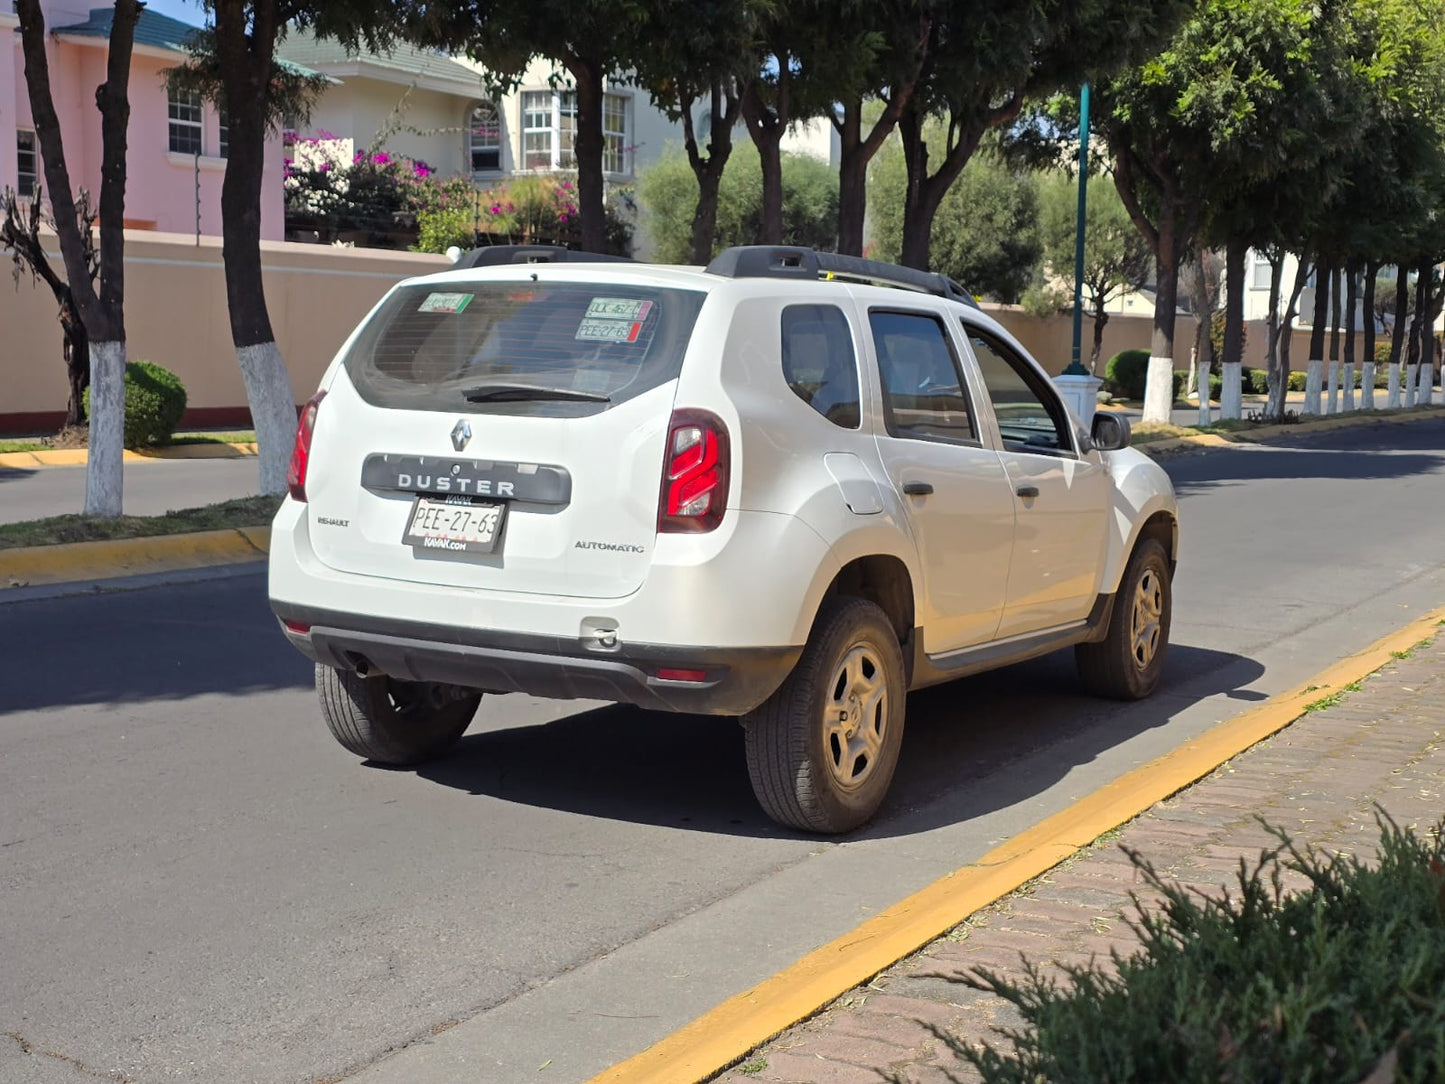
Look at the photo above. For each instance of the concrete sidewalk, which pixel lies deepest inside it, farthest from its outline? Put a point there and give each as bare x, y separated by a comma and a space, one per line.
1318, 779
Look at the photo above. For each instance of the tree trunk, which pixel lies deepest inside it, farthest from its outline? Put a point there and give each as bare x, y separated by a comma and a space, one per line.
588, 150
1417, 333
1279, 389
767, 125
924, 193
1202, 360
1231, 405
1334, 371
76, 349
246, 65
1367, 367
1101, 317
1397, 339
1159, 384
1315, 378
102, 314
709, 170
1352, 298
852, 180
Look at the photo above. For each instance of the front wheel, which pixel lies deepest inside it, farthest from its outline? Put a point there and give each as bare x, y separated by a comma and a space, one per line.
390, 721
1126, 664
822, 749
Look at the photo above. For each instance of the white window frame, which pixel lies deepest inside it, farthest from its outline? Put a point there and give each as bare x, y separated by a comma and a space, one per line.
223, 131
558, 153
616, 147
26, 182
475, 145
1259, 270
178, 103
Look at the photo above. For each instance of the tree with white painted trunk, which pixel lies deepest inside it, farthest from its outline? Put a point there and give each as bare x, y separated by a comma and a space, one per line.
102, 313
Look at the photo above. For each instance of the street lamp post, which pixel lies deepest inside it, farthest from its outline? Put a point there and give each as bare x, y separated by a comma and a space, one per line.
1075, 384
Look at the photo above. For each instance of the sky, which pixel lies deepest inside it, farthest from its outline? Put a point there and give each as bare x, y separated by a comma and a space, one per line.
185, 10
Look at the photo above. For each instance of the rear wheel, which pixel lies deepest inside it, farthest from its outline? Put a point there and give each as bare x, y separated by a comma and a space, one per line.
1126, 664
821, 751
390, 721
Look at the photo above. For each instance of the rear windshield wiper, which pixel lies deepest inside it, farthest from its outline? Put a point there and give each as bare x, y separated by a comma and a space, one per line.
517, 393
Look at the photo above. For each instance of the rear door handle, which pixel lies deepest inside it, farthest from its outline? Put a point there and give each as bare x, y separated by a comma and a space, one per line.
918, 489
1027, 492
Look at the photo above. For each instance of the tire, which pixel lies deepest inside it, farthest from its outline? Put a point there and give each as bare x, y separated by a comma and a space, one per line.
393, 722
810, 769
1126, 664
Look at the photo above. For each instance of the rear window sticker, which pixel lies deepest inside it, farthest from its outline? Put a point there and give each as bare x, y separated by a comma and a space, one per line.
436, 302
618, 308
608, 331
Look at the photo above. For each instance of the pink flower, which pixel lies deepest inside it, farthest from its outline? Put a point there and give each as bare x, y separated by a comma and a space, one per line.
322, 133
380, 158
324, 167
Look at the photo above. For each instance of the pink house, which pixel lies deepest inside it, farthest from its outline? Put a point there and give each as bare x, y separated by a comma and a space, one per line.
176, 143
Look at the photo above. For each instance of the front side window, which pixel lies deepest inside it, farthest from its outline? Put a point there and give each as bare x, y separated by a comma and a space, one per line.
1029, 418
28, 162
923, 396
484, 138
184, 110
1261, 273
819, 363
549, 129
616, 149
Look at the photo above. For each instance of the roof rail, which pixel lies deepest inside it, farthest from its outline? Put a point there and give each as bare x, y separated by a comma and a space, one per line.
794, 262
492, 255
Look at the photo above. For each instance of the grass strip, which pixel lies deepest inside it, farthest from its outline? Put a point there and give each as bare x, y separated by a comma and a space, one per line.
39, 444
242, 512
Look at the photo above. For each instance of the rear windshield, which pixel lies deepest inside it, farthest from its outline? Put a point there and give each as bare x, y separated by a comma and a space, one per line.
478, 346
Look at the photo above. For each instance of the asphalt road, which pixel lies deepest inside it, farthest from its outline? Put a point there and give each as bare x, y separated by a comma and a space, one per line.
149, 489
197, 884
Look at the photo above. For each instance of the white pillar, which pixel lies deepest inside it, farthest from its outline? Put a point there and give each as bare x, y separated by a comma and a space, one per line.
1082, 395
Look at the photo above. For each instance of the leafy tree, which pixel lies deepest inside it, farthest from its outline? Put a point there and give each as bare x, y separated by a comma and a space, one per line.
986, 231
590, 41
102, 313
711, 61
984, 59
1116, 257
667, 191
20, 233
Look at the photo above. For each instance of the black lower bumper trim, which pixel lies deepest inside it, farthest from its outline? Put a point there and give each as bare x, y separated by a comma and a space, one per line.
735, 680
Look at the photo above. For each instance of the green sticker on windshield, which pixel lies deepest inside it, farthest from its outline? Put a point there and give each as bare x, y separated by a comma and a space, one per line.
445, 302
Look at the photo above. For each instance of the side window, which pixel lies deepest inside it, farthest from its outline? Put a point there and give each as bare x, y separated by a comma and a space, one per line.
1029, 418
923, 394
819, 363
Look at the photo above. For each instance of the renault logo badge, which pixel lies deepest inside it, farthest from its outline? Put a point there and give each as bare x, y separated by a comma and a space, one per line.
461, 434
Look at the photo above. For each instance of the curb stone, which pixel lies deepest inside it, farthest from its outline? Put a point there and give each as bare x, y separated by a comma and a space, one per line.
75, 457
32, 566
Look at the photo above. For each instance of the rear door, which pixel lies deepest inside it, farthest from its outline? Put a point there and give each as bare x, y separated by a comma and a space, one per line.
538, 409
953, 489
1061, 499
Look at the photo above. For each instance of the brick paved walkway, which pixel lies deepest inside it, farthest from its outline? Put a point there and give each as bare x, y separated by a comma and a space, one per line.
1318, 779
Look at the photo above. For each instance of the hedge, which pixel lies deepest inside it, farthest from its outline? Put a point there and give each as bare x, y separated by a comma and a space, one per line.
155, 399
1333, 983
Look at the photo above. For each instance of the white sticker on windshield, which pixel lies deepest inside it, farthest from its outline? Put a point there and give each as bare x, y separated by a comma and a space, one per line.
618, 308
608, 331
445, 302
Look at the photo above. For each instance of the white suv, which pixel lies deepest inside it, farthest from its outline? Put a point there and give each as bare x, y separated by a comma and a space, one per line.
789, 487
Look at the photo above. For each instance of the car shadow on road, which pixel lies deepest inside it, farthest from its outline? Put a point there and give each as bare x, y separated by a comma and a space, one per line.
971, 747
14, 474
1227, 466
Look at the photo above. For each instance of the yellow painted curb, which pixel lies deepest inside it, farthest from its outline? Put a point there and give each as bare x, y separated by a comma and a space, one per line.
728, 1032
75, 457
71, 561
1315, 424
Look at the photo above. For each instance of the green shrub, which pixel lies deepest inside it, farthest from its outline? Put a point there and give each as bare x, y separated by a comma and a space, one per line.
1258, 381
1297, 381
155, 399
1326, 984
441, 227
1126, 373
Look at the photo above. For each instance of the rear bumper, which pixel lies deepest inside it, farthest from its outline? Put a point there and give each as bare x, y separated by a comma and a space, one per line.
734, 680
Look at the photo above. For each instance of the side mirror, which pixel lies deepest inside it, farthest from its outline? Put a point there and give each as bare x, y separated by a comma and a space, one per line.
1110, 431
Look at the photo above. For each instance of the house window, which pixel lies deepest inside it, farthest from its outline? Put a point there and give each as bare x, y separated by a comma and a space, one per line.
224, 150
184, 110
484, 138
616, 154
1260, 273
28, 163
549, 129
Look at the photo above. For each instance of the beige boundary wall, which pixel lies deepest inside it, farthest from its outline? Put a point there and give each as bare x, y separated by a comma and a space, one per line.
176, 316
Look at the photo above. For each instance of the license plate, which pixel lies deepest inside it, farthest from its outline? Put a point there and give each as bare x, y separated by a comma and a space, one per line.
454, 524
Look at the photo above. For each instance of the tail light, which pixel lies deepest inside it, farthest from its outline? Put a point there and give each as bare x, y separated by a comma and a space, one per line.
694, 474
301, 450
